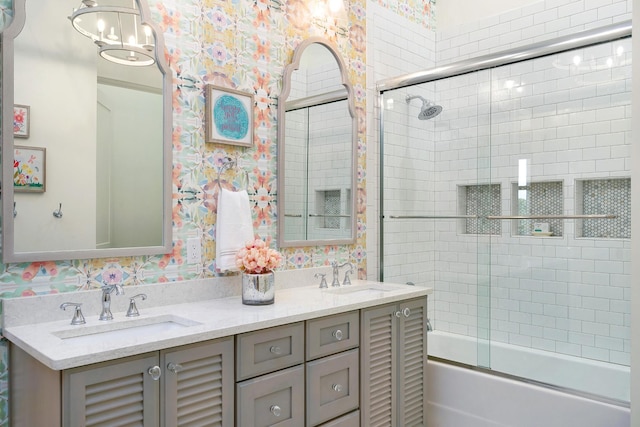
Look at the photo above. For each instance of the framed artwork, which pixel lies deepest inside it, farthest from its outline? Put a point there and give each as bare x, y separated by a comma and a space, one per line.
229, 116
21, 121
29, 167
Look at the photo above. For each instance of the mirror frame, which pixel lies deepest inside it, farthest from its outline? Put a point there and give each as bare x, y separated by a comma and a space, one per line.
330, 97
9, 255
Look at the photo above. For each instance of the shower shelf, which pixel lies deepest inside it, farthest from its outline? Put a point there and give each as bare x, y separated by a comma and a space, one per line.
433, 217
605, 216
505, 217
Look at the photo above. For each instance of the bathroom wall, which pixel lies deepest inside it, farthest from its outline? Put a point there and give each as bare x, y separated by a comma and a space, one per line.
452, 13
411, 48
242, 45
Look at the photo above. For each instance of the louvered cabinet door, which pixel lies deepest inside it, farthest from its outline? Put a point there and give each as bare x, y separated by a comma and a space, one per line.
393, 360
412, 363
198, 385
377, 365
112, 394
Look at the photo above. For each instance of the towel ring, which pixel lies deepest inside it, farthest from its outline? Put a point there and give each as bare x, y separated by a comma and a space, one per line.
227, 163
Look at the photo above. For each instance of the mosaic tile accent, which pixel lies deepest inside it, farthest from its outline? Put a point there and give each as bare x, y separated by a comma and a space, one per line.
540, 198
604, 197
482, 200
331, 207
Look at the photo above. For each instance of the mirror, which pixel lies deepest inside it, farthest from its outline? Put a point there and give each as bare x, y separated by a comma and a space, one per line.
317, 149
91, 163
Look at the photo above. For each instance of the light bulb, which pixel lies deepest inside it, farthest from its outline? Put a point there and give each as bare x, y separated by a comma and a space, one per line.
334, 5
101, 26
132, 40
112, 34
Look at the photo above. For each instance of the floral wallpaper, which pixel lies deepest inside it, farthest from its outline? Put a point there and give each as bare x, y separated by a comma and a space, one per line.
239, 44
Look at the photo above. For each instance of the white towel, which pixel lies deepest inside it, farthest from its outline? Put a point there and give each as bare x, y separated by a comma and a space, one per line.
234, 227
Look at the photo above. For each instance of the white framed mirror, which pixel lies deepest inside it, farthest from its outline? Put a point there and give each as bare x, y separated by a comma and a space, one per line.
103, 127
317, 149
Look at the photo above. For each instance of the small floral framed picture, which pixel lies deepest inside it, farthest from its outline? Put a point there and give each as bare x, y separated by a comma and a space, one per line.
229, 116
21, 121
29, 169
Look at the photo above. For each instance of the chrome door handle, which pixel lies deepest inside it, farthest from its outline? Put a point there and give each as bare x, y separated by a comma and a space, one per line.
174, 367
155, 372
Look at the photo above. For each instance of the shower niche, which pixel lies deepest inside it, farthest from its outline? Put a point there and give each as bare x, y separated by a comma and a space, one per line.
607, 196
538, 198
477, 202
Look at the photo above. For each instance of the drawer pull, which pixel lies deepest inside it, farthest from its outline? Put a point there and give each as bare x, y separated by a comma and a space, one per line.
275, 410
155, 372
337, 387
174, 367
337, 334
275, 349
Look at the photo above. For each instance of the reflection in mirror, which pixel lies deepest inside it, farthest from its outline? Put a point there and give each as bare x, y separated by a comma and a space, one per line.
317, 149
106, 130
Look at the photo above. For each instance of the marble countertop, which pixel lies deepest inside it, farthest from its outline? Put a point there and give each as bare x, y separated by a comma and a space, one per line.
54, 343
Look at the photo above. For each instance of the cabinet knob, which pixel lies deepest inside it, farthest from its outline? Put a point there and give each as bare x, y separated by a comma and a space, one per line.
337, 334
337, 387
406, 312
174, 367
275, 410
155, 372
275, 349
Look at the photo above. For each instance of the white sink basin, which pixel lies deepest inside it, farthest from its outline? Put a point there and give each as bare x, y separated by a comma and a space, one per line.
352, 289
121, 330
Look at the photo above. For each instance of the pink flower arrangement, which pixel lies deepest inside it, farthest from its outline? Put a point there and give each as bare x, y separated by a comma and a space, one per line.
257, 258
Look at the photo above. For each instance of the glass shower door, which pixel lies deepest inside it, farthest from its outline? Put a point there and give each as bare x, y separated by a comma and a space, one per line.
435, 182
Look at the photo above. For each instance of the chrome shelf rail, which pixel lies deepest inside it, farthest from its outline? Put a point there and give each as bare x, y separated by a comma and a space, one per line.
604, 216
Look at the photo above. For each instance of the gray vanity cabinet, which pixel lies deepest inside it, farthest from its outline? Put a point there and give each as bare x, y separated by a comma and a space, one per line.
197, 384
270, 375
175, 387
112, 393
393, 361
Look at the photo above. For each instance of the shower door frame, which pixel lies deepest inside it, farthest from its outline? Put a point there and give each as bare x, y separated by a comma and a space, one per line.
574, 41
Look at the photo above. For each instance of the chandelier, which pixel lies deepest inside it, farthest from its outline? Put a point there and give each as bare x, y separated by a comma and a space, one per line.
117, 31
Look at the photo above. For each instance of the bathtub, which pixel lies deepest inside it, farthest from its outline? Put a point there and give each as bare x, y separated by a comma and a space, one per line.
460, 397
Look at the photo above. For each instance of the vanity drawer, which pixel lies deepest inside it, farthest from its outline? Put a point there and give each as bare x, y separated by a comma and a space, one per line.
275, 399
269, 350
332, 334
349, 420
332, 386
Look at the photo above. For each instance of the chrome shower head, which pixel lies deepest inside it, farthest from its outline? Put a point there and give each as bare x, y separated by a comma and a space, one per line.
428, 110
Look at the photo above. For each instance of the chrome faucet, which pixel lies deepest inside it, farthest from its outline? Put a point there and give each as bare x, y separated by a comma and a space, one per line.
106, 300
336, 273
346, 280
335, 267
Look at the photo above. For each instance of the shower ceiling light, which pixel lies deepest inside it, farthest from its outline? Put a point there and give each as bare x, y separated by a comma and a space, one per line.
117, 31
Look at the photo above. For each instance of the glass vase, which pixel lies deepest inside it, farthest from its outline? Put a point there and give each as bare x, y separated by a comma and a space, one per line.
258, 289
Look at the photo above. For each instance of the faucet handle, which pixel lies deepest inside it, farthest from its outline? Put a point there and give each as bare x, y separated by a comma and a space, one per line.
323, 280
133, 310
346, 280
78, 318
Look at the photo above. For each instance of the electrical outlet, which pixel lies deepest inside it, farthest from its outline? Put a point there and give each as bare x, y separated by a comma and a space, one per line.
194, 250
